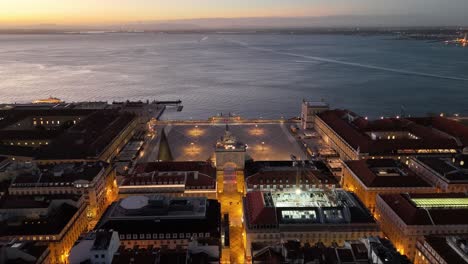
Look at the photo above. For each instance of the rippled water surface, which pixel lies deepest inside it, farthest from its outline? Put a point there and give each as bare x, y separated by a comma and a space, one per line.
251, 75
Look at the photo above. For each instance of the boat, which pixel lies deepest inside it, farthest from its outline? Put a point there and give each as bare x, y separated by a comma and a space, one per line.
50, 100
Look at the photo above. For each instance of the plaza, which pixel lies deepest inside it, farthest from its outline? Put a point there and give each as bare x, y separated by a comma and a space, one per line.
196, 142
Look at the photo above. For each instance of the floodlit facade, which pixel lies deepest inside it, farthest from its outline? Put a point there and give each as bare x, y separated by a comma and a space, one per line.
354, 137
367, 178
407, 218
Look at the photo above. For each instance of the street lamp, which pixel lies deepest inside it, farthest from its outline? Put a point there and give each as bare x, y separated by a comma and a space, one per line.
192, 146
263, 146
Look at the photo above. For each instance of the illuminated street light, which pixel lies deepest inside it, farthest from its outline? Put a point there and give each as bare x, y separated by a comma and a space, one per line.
263, 146
298, 191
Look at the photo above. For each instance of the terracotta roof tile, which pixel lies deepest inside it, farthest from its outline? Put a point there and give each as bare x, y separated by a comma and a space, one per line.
363, 169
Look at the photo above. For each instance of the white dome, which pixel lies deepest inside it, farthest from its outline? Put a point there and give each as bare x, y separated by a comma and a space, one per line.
134, 202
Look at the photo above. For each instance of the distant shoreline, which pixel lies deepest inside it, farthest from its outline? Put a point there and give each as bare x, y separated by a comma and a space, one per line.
427, 34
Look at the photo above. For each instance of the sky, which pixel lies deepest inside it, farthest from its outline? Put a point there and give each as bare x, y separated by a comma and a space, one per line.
86, 12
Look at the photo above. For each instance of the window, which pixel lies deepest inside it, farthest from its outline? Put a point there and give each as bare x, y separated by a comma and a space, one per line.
181, 235
102, 255
174, 235
187, 235
96, 256
161, 236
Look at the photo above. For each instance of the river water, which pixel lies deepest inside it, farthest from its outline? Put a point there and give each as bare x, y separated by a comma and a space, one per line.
254, 75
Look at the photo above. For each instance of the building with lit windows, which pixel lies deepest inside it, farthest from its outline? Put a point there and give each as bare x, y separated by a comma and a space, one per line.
169, 183
354, 137
367, 178
174, 179
99, 137
95, 181
163, 222
53, 220
64, 133
446, 174
283, 176
316, 215
407, 218
440, 249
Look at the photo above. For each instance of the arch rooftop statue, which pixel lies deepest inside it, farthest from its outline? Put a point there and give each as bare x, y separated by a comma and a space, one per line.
229, 152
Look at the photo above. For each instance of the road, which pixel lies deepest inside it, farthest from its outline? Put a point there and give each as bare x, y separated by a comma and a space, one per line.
231, 203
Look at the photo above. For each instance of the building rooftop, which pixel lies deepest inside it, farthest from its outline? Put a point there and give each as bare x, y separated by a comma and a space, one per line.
60, 175
385, 173
287, 175
355, 251
429, 209
450, 169
17, 151
12, 116
87, 244
88, 138
51, 224
33, 201
187, 180
102, 240
449, 126
203, 167
315, 206
385, 250
391, 136
160, 207
25, 252
139, 213
452, 249
38, 134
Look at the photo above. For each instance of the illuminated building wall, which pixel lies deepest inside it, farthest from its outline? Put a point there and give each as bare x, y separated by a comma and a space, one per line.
98, 194
457, 183
404, 236
345, 151
61, 242
367, 195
